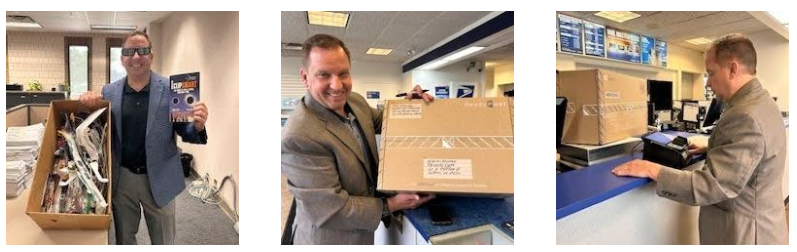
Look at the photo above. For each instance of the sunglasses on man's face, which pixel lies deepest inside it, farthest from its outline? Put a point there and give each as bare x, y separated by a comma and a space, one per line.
141, 51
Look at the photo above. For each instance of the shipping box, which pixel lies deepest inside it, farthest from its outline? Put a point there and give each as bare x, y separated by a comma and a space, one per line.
44, 167
448, 147
603, 106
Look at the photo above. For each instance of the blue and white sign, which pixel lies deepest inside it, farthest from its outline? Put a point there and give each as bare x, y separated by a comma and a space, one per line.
660, 50
646, 46
441, 92
594, 39
570, 34
372, 94
465, 91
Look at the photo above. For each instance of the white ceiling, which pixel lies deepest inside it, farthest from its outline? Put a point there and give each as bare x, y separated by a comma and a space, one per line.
400, 31
81, 21
676, 27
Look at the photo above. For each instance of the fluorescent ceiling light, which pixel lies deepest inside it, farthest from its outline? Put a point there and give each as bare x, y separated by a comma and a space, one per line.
463, 53
22, 25
434, 65
781, 16
114, 27
292, 46
699, 41
378, 51
617, 16
21, 22
327, 18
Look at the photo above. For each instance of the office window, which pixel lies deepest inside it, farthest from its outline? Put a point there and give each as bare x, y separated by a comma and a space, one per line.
78, 65
115, 69
78, 70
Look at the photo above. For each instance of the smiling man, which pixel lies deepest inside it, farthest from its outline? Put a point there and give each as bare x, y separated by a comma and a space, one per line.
329, 153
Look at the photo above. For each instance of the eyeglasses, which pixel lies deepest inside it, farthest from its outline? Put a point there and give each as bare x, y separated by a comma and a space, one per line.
141, 51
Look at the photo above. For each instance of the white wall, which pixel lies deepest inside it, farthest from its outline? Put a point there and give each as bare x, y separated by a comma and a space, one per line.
385, 77
456, 72
773, 64
206, 42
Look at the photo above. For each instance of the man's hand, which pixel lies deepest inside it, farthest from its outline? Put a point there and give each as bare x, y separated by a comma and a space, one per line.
696, 148
421, 95
200, 115
91, 99
638, 168
403, 201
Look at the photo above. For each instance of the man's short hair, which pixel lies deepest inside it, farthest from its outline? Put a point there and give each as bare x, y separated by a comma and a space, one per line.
322, 41
137, 33
735, 46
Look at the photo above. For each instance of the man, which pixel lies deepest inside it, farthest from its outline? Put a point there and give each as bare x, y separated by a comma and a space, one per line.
739, 187
146, 163
329, 153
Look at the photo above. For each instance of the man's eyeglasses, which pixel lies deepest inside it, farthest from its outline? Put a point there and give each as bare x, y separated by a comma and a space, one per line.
141, 51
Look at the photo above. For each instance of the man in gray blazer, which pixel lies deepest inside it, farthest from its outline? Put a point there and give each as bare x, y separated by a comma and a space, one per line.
146, 162
329, 154
739, 187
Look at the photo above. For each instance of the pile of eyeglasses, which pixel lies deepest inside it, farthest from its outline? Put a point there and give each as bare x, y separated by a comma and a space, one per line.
79, 181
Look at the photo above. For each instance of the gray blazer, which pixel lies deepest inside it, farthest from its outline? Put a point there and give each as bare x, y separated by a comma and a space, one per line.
739, 188
328, 173
163, 159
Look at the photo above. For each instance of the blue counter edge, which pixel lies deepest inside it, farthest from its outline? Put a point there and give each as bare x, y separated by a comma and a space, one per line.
597, 197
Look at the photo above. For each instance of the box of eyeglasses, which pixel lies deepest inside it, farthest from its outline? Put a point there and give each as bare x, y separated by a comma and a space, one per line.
71, 186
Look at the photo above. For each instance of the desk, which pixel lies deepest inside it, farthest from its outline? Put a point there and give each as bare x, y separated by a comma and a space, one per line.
21, 230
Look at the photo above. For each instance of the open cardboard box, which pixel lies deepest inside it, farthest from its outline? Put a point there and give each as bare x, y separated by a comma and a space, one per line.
44, 167
448, 147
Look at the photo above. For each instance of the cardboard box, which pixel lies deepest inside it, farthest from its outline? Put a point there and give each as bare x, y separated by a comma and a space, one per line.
448, 147
44, 167
603, 106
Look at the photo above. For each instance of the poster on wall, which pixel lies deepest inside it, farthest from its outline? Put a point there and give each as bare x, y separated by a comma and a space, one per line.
441, 92
570, 34
622, 45
648, 56
660, 50
594, 39
372, 94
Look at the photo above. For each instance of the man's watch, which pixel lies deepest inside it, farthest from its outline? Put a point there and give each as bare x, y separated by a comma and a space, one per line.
385, 208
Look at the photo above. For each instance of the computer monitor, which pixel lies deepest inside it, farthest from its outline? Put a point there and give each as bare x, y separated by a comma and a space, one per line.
689, 111
561, 109
660, 94
713, 113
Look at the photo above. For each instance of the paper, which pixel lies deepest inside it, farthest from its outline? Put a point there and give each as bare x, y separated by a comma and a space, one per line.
447, 169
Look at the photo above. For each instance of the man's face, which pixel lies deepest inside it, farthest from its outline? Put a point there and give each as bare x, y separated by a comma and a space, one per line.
327, 77
718, 77
137, 65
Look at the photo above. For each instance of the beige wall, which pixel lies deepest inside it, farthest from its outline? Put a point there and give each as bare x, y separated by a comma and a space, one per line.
40, 56
206, 42
773, 64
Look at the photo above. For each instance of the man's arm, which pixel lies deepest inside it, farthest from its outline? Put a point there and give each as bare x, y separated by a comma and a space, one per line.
314, 181
729, 165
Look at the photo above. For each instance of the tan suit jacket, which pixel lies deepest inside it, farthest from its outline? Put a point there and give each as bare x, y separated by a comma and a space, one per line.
739, 188
329, 174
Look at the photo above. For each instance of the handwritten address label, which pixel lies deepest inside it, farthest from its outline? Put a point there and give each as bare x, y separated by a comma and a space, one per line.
447, 169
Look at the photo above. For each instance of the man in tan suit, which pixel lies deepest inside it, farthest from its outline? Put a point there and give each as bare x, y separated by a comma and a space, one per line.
739, 187
329, 154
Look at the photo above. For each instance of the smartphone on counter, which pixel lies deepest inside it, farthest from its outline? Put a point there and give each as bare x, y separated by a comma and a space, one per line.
441, 215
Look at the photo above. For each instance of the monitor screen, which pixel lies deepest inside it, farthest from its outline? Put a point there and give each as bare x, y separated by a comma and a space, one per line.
660, 94
713, 113
561, 108
690, 111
